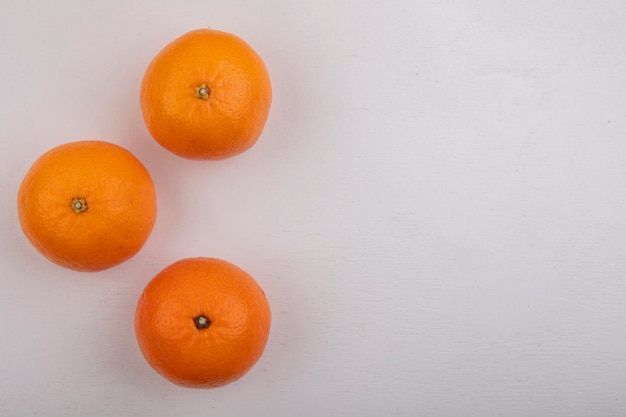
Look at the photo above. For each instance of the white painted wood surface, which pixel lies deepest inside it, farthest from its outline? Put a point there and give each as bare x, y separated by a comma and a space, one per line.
435, 209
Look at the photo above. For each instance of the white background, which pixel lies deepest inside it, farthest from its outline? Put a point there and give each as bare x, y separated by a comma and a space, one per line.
435, 210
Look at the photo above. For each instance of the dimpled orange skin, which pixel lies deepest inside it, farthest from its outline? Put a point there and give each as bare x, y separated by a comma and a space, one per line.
118, 195
230, 117
231, 301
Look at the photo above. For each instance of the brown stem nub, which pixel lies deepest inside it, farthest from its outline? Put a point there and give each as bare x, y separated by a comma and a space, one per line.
79, 205
202, 322
202, 91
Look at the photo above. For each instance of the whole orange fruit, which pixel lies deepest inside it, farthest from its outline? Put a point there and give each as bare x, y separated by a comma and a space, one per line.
87, 205
206, 95
202, 322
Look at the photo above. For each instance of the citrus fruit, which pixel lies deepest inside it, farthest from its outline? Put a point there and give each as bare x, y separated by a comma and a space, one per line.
87, 205
206, 95
202, 322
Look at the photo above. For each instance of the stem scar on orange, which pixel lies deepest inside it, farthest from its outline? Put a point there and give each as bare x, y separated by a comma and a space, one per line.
202, 322
206, 95
87, 205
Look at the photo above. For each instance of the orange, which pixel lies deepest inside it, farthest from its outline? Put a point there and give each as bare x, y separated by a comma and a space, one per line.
206, 95
87, 205
202, 322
